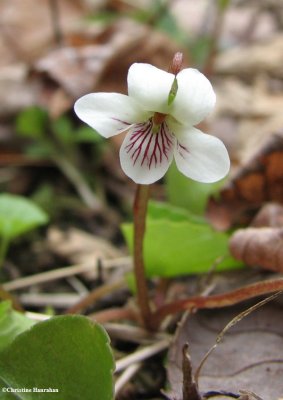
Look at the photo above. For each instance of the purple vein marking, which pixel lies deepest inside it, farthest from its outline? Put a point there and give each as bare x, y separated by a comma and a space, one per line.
149, 147
182, 150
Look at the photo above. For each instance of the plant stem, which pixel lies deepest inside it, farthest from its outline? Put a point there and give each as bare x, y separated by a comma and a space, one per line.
140, 209
217, 300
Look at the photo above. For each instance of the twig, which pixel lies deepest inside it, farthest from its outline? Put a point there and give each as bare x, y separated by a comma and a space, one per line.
95, 295
61, 273
60, 300
141, 355
77, 285
134, 334
126, 376
114, 314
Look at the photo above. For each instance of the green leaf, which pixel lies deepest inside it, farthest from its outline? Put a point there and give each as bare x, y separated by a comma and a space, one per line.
158, 210
68, 353
63, 129
12, 323
189, 194
19, 215
87, 134
177, 245
32, 122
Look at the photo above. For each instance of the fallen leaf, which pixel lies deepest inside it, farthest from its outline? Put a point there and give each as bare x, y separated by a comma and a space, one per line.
250, 357
27, 27
239, 99
259, 246
102, 63
14, 80
265, 56
259, 180
239, 21
270, 214
80, 247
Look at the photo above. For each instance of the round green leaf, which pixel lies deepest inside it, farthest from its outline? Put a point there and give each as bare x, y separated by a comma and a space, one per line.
177, 243
19, 215
70, 354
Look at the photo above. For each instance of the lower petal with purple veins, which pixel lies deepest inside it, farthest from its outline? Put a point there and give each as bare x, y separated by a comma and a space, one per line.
199, 156
146, 153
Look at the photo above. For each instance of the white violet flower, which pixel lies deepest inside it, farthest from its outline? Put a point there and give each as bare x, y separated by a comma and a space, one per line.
159, 115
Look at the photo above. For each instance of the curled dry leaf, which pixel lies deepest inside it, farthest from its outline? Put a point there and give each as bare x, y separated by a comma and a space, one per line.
258, 181
271, 215
259, 246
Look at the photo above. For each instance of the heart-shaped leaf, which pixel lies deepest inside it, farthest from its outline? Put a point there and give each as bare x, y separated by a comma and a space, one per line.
177, 244
68, 354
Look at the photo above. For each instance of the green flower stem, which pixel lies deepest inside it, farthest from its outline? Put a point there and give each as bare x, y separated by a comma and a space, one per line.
140, 209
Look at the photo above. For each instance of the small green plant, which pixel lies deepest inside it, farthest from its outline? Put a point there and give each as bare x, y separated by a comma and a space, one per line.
179, 243
18, 215
58, 141
66, 357
158, 116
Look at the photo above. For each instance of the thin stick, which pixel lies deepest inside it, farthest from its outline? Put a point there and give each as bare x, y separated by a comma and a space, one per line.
95, 295
61, 273
140, 209
60, 300
133, 334
115, 314
218, 300
141, 355
126, 376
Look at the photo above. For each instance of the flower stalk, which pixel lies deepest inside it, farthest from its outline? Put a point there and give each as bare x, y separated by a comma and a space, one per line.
139, 211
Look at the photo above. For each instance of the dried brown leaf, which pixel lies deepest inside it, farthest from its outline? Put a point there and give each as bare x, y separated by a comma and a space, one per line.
261, 57
102, 63
259, 247
269, 215
250, 358
80, 247
259, 180
27, 29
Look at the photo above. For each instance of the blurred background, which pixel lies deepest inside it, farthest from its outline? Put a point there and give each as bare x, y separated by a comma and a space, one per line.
54, 51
